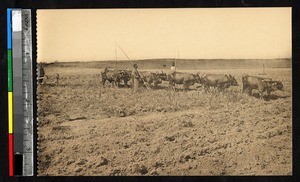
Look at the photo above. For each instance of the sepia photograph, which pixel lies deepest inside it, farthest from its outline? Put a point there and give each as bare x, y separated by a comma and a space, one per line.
164, 92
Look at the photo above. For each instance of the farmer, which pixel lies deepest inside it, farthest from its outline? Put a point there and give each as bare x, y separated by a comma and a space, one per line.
173, 69
135, 78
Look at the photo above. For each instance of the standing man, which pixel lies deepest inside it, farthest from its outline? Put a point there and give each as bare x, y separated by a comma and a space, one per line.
135, 78
173, 69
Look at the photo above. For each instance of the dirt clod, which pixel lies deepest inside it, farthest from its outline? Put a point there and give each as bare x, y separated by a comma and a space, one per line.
170, 138
78, 170
103, 161
82, 162
140, 169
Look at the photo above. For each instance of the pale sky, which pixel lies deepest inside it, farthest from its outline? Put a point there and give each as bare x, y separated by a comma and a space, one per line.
226, 33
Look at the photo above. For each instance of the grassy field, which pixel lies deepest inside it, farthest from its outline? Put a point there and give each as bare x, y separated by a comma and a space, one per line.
91, 130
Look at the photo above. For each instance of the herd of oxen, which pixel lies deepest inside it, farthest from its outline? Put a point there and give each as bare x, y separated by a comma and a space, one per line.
217, 81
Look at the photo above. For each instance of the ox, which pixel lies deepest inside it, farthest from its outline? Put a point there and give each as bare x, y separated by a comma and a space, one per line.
115, 76
260, 84
218, 81
124, 75
186, 79
150, 78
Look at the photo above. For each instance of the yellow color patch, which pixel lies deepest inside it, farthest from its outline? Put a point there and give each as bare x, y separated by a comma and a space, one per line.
10, 112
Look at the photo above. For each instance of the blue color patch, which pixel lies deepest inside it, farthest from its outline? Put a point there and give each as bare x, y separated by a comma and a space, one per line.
9, 30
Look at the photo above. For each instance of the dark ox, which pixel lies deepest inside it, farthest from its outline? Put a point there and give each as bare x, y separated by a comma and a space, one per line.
115, 76
260, 84
185, 79
163, 76
124, 75
151, 78
218, 81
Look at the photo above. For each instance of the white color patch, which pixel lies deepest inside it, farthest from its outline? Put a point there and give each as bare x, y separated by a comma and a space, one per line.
17, 20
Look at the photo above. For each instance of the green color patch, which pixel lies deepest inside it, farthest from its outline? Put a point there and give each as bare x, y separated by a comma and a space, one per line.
9, 71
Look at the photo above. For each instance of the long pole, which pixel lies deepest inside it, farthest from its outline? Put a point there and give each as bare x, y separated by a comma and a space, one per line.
145, 83
116, 54
177, 57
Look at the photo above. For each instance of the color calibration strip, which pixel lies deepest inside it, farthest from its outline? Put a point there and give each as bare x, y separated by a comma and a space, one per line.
17, 79
17, 90
20, 90
10, 94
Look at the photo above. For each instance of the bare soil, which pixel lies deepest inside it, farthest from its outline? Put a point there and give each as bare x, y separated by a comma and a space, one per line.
85, 129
